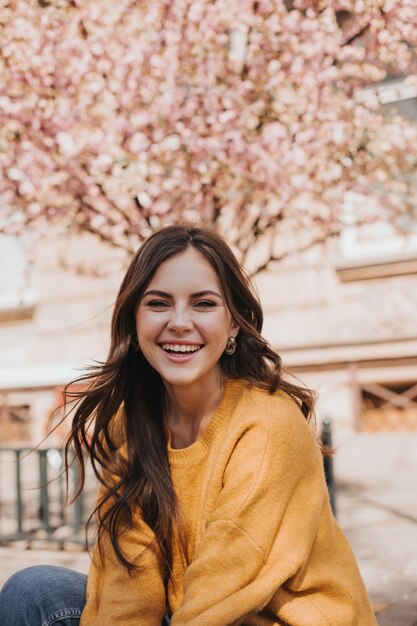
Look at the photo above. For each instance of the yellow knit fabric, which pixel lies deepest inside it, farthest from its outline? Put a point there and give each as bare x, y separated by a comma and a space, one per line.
263, 548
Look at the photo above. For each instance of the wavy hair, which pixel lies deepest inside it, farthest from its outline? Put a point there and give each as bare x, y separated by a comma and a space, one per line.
123, 397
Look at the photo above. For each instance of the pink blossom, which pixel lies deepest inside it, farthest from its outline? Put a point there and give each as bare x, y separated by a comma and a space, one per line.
119, 115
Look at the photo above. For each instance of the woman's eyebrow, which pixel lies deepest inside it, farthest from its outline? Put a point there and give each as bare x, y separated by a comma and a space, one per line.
156, 292
197, 294
206, 292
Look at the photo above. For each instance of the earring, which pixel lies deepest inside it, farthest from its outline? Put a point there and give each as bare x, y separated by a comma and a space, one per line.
134, 342
230, 346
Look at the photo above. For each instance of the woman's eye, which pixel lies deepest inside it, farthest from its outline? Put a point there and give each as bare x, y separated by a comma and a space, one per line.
157, 304
205, 304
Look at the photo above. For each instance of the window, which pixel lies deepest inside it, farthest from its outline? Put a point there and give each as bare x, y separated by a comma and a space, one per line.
388, 407
14, 423
398, 95
17, 293
379, 248
379, 239
375, 250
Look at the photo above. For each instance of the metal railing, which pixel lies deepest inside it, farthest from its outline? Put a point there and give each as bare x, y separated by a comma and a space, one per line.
33, 497
326, 439
33, 494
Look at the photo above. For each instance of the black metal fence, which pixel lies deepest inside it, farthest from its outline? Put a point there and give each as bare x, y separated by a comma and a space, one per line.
33, 497
33, 494
326, 439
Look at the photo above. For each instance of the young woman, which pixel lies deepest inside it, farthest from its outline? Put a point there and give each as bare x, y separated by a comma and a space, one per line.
213, 508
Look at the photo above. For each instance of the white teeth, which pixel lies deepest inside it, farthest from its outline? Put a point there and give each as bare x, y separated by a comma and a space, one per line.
176, 347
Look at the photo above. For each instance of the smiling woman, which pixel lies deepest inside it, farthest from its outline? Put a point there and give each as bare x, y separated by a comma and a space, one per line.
213, 508
182, 332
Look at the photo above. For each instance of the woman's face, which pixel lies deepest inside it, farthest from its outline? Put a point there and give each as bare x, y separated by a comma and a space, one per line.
182, 321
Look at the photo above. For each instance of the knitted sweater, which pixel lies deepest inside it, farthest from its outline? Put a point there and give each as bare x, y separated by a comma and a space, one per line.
263, 548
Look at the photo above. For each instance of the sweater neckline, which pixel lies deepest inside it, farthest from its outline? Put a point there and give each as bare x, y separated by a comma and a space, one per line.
199, 449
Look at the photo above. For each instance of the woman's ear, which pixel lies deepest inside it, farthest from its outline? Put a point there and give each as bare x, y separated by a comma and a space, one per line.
234, 329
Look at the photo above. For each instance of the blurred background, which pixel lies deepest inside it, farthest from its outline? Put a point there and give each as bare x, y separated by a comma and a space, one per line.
288, 127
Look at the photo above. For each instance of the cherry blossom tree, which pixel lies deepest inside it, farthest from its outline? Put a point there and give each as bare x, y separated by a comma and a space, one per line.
119, 117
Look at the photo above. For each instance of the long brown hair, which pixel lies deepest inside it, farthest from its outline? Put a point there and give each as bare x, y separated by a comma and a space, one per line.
141, 477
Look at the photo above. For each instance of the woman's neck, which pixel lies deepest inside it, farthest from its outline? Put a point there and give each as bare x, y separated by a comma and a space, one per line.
189, 409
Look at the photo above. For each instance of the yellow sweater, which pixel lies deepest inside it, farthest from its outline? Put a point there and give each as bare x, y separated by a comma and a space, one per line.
263, 546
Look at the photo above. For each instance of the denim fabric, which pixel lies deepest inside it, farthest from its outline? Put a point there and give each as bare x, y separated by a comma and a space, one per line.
43, 595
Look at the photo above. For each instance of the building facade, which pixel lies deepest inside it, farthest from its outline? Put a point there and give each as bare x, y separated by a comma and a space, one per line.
342, 316
54, 321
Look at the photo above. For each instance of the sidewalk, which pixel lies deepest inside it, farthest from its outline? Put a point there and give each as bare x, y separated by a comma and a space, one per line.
12, 559
377, 509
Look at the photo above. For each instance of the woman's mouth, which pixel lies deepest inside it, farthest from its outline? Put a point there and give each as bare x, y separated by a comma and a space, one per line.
180, 349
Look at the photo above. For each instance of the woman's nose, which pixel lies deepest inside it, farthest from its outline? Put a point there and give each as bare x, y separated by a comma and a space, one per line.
180, 319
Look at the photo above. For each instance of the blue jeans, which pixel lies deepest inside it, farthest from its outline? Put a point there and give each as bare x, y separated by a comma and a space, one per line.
41, 596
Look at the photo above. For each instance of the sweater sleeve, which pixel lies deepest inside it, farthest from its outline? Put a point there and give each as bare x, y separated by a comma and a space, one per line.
271, 542
116, 597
